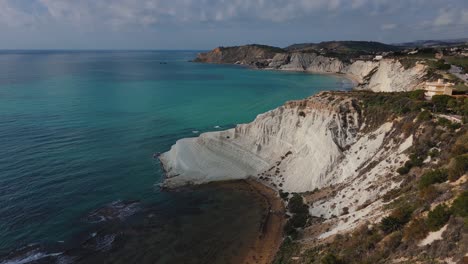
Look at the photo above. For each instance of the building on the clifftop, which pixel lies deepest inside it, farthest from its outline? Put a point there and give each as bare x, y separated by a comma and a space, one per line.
438, 88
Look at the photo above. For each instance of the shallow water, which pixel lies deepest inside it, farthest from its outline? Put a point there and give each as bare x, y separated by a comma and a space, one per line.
78, 131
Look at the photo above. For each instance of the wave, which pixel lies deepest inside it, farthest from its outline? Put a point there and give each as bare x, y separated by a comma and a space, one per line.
31, 256
117, 210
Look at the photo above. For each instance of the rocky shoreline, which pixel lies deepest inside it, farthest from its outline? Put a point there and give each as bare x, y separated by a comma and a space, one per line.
382, 75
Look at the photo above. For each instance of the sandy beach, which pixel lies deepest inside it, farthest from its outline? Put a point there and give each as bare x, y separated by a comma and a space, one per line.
270, 235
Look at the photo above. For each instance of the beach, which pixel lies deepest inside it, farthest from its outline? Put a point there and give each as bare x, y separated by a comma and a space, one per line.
271, 234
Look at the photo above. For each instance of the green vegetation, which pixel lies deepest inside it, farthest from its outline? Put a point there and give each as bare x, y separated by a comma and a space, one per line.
439, 65
438, 217
459, 61
300, 215
417, 229
397, 219
410, 218
457, 167
330, 259
286, 252
433, 176
284, 195
460, 205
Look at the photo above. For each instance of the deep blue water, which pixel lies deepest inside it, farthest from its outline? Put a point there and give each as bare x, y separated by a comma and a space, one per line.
78, 129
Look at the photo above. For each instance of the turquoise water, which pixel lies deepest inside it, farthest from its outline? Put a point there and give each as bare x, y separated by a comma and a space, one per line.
78, 129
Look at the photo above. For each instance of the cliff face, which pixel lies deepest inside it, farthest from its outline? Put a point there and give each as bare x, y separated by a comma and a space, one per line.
387, 75
314, 143
343, 152
249, 54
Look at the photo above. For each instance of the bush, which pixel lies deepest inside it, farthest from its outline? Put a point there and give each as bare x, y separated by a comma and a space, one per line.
416, 160
290, 230
438, 217
431, 177
390, 224
330, 259
460, 205
441, 65
425, 116
457, 167
296, 204
299, 220
434, 153
300, 215
417, 95
428, 193
442, 121
440, 102
284, 195
403, 170
397, 219
417, 229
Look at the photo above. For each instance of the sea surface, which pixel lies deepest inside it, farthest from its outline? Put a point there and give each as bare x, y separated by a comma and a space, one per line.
78, 130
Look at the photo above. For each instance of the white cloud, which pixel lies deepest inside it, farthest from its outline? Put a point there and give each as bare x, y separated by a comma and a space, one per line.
445, 17
12, 16
464, 17
388, 26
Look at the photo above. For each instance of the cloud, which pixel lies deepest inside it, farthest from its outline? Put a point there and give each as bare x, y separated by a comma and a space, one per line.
464, 17
445, 17
388, 26
147, 12
12, 16
230, 21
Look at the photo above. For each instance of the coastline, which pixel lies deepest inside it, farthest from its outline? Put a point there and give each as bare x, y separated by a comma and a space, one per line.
354, 80
270, 237
265, 243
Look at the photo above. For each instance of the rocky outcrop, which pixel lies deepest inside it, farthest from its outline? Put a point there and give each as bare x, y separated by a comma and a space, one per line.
386, 75
256, 55
304, 145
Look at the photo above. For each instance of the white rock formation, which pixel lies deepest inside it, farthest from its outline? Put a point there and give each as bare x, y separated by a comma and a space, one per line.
298, 147
321, 142
387, 75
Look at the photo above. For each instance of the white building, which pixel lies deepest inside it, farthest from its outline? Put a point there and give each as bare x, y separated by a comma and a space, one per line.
438, 88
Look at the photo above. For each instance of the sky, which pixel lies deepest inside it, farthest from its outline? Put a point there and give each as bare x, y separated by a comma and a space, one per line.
205, 24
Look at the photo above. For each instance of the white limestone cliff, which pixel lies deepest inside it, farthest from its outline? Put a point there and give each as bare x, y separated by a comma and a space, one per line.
324, 141
387, 75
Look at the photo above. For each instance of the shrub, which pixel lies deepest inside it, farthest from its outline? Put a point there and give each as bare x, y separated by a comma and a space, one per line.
434, 153
296, 205
330, 259
457, 167
403, 170
440, 102
284, 195
290, 230
397, 219
424, 116
298, 220
417, 229
417, 94
300, 215
416, 160
428, 193
441, 65
438, 217
431, 177
460, 205
442, 121
461, 145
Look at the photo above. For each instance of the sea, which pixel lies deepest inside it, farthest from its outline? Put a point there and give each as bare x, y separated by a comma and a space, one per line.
78, 135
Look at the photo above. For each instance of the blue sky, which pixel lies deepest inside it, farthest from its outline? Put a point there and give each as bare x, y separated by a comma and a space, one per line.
204, 24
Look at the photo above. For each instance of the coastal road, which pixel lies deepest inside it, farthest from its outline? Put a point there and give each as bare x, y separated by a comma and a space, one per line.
458, 72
